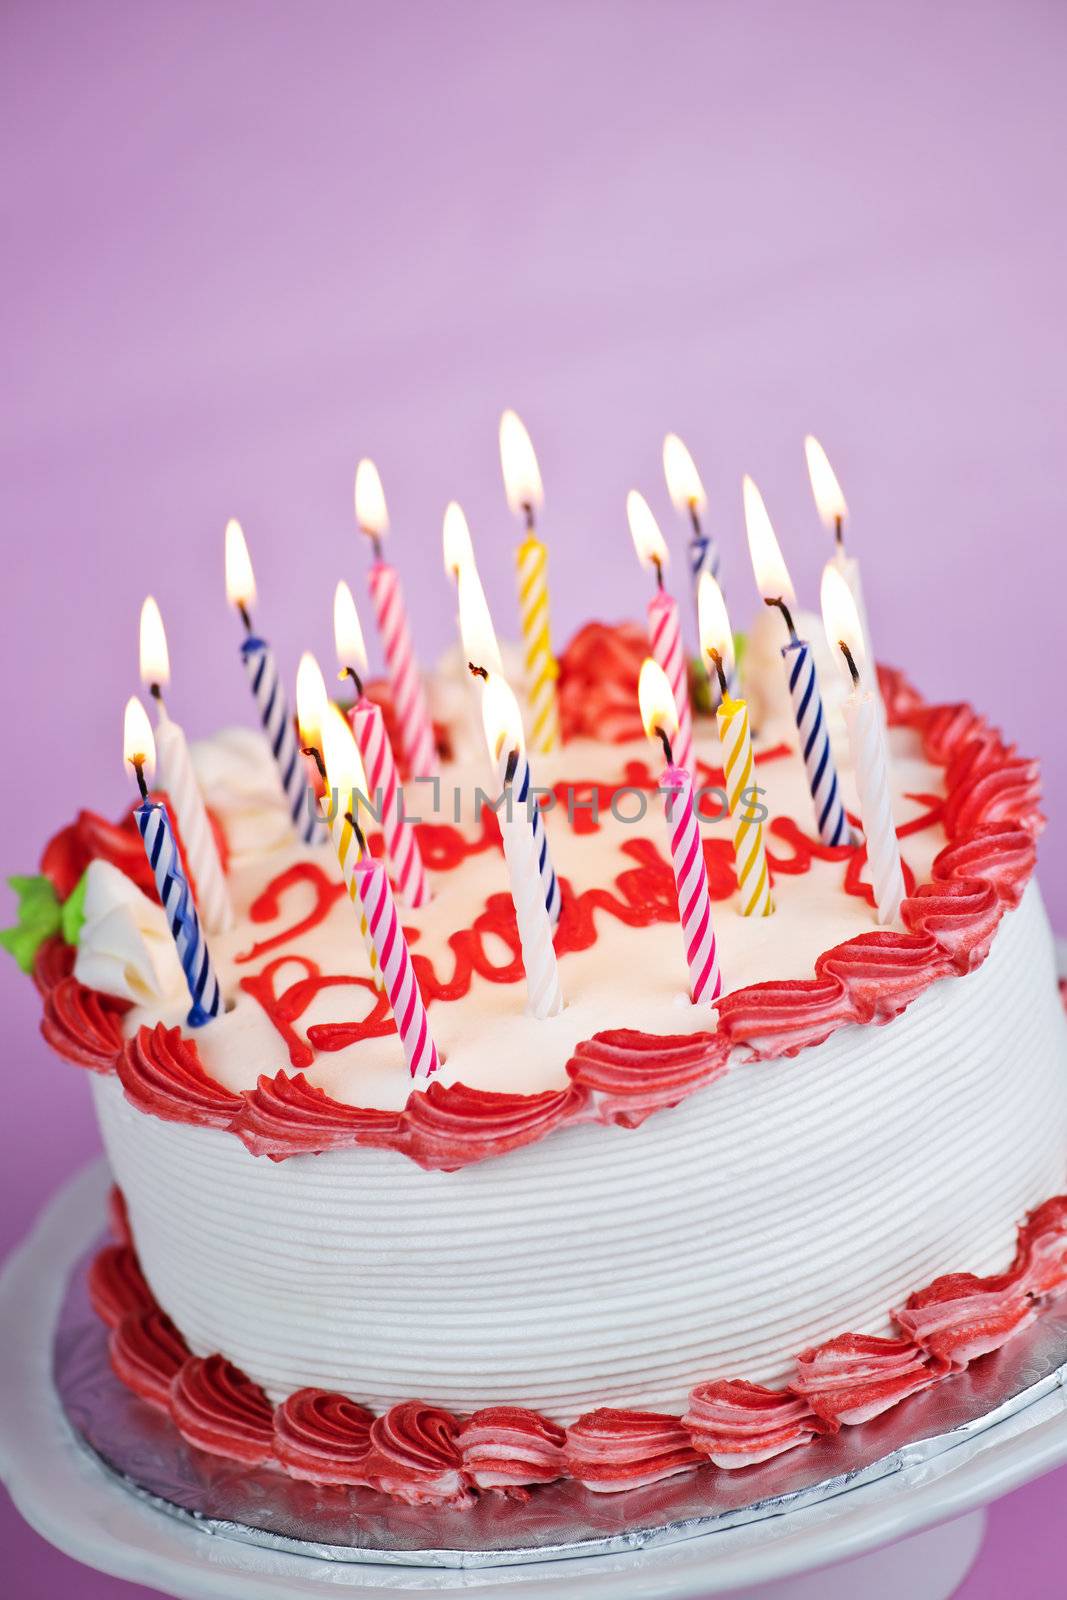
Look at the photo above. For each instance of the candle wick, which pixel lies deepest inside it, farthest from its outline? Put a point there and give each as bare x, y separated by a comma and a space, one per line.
361, 838
852, 667
666, 743
137, 762
316, 755
528, 513
509, 770
720, 671
779, 603
245, 618
694, 518
658, 564
839, 531
376, 544
477, 672
350, 672
156, 691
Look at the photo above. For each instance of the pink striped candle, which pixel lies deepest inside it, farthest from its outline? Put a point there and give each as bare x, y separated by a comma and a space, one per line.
401, 845
409, 700
409, 1013
368, 725
687, 852
665, 636
664, 624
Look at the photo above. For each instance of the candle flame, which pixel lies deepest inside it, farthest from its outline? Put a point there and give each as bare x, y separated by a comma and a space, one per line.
154, 657
829, 500
644, 530
522, 475
456, 540
347, 633
772, 574
716, 635
683, 479
841, 619
340, 754
312, 700
501, 717
240, 580
371, 513
659, 714
138, 745
476, 629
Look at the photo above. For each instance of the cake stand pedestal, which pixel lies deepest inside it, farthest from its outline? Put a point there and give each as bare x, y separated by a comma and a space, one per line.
917, 1537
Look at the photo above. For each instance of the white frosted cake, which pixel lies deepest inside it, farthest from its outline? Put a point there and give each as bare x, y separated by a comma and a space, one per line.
627, 1240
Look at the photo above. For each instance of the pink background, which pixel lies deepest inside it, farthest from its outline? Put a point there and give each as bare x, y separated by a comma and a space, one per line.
247, 243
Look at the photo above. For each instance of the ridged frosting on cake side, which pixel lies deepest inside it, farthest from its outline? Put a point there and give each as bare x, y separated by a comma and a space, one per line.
786, 1203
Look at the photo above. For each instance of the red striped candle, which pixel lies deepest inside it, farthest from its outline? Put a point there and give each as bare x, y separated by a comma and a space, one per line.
409, 1013
687, 852
368, 725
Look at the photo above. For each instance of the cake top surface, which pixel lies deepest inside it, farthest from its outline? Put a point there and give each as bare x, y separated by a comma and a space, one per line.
307, 1058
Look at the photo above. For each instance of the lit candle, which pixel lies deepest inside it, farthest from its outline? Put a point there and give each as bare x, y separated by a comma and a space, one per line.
475, 621
503, 732
665, 633
867, 743
314, 713
368, 887
161, 848
750, 860
832, 509
267, 690
522, 485
409, 700
775, 585
368, 725
660, 718
687, 494
179, 780
480, 648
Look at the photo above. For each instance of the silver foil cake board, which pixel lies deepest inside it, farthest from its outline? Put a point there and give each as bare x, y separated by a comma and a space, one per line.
140, 1447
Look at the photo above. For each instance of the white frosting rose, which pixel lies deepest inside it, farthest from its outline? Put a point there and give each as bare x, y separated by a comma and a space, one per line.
125, 948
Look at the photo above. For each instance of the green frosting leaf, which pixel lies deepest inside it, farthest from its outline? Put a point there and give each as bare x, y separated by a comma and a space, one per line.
39, 917
72, 917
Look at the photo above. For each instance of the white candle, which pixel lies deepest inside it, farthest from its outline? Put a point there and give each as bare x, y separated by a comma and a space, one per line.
177, 777
503, 731
832, 508
867, 743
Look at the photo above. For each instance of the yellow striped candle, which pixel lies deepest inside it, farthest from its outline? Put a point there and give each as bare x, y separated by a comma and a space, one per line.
522, 483
750, 858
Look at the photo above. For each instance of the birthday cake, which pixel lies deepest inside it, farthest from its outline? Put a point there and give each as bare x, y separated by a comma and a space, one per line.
488, 1147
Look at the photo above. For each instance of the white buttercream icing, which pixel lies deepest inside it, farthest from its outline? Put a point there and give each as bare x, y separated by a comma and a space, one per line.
239, 781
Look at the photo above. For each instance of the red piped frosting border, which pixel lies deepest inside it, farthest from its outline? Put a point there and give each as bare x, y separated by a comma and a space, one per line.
991, 815
424, 1455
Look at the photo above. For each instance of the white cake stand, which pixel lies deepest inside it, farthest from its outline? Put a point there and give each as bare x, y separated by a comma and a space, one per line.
932, 1523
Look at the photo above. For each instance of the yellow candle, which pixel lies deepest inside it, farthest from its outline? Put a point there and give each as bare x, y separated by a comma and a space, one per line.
750, 859
522, 481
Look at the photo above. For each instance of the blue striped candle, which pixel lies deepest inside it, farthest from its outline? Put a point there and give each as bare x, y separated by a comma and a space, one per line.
162, 851
520, 790
273, 708
833, 824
